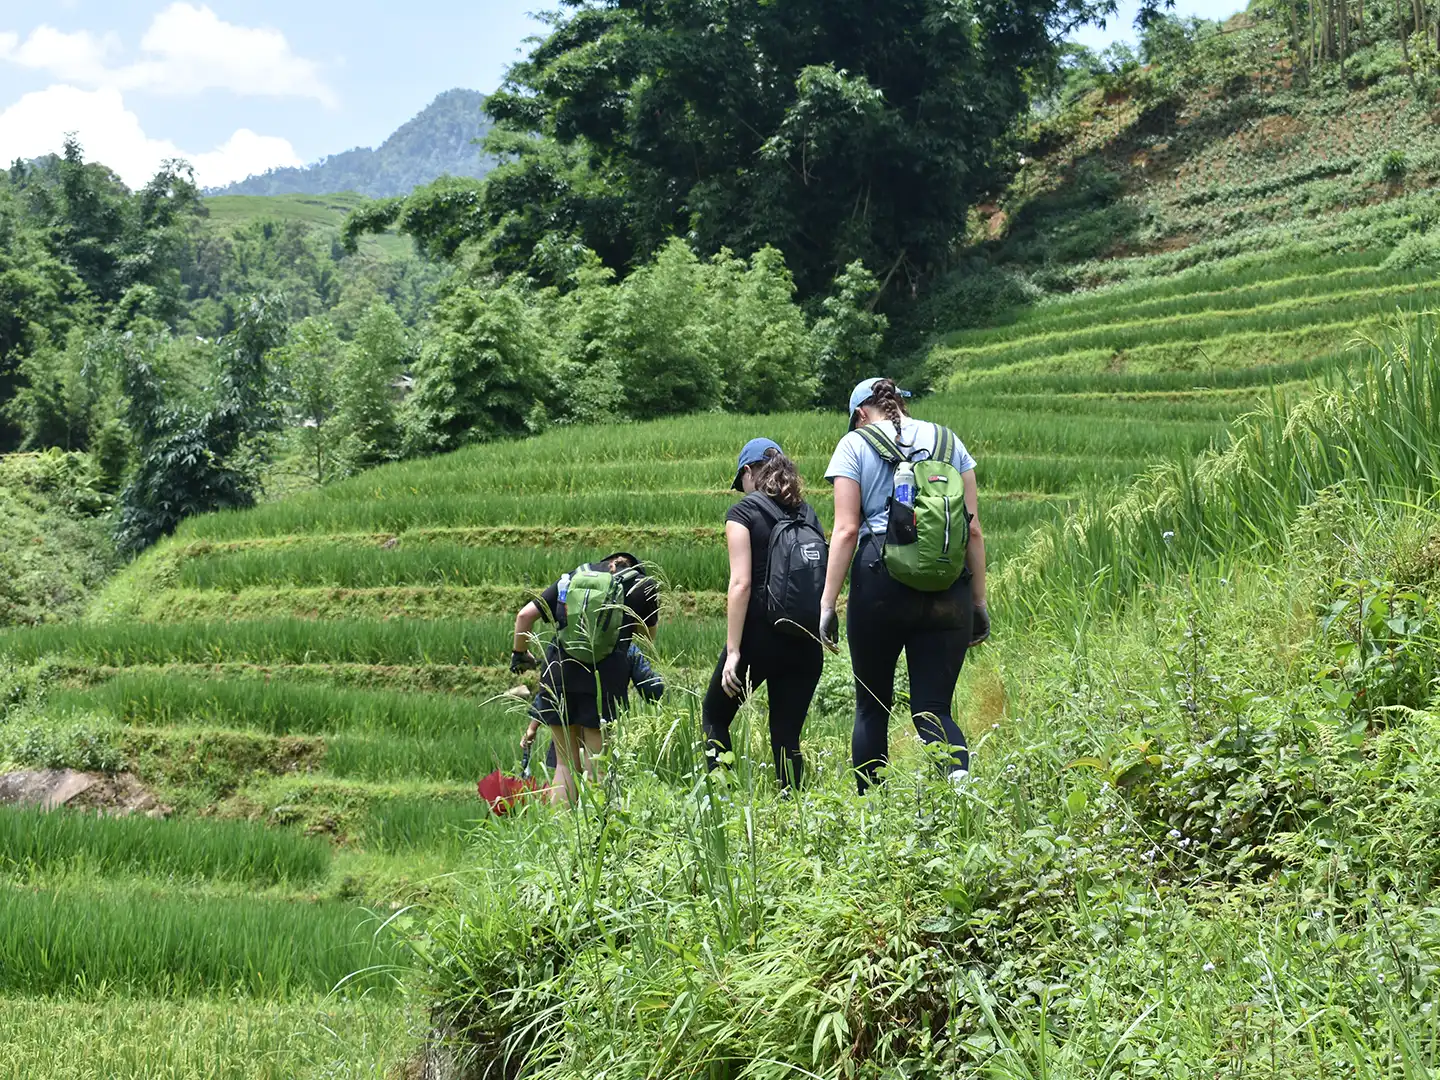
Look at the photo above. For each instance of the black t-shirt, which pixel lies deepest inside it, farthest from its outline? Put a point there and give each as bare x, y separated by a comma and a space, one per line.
759, 513
642, 605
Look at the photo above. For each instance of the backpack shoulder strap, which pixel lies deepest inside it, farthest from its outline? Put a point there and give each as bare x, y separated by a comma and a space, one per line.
945, 442
881, 443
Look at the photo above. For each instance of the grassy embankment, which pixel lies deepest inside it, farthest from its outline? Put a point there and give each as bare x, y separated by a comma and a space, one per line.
330, 665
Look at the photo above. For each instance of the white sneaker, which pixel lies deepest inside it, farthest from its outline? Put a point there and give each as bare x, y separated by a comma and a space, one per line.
959, 779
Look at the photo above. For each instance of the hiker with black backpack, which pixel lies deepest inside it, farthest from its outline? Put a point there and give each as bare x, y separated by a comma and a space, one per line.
907, 516
597, 610
772, 632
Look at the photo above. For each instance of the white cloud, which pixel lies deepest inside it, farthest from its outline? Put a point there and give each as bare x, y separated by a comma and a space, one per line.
110, 133
186, 50
79, 57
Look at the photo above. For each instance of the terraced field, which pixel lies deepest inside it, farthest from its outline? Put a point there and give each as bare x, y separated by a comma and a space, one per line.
322, 679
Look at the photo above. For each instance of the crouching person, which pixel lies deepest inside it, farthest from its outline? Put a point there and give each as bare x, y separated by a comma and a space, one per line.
597, 610
646, 680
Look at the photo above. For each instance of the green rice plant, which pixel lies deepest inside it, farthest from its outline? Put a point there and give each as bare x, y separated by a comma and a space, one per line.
459, 756
348, 567
1306, 314
282, 641
1090, 391
32, 840
1117, 308
397, 826
79, 941
1373, 431
114, 1037
280, 708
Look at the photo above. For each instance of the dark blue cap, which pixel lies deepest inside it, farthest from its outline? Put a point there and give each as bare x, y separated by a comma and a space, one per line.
752, 454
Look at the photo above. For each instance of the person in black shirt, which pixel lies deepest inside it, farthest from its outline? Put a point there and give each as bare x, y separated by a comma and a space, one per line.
577, 699
755, 652
643, 677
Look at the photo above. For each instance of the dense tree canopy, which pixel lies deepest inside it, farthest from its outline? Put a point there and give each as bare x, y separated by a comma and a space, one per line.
833, 130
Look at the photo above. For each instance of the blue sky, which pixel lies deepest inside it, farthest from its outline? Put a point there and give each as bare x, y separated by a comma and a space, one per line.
239, 85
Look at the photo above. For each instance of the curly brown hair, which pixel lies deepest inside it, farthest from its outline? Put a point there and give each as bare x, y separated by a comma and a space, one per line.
777, 476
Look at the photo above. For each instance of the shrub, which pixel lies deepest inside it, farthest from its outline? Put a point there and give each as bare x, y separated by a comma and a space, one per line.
1416, 252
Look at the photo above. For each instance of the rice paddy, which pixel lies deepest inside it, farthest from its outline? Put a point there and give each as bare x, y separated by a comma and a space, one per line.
325, 676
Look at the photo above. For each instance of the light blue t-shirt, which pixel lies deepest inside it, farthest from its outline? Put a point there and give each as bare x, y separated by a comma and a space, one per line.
855, 458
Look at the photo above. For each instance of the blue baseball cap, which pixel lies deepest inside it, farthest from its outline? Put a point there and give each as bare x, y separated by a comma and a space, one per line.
753, 453
863, 392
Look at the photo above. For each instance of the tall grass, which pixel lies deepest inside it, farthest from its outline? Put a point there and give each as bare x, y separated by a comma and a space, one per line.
1289, 317
111, 1037
1110, 310
279, 707
303, 641
1376, 430
219, 850
687, 567
80, 941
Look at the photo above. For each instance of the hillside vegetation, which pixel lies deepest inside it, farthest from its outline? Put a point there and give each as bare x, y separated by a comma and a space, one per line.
1191, 345
442, 139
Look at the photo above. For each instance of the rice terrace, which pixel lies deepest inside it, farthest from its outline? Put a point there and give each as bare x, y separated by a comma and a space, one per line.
277, 473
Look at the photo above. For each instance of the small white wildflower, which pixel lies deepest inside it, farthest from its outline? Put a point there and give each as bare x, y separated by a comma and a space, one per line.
1208, 967
1174, 834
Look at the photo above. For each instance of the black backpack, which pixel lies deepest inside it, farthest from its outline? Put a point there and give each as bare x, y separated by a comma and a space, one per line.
795, 572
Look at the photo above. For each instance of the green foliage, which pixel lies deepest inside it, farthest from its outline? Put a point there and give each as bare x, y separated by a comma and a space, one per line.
479, 376
71, 941
1419, 252
368, 406
53, 544
848, 335
308, 365
192, 462
1372, 429
38, 840
440, 140
140, 1038
860, 134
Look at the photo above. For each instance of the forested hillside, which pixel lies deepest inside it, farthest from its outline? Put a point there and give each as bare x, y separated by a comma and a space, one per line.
443, 139
1179, 303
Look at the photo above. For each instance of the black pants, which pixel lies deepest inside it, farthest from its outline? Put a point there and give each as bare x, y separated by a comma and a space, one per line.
791, 666
883, 618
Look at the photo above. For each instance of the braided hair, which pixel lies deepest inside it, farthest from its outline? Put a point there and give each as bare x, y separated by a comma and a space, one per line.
885, 396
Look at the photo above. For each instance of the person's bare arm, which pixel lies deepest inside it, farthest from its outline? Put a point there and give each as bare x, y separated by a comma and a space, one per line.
975, 551
525, 622
737, 598
842, 549
737, 602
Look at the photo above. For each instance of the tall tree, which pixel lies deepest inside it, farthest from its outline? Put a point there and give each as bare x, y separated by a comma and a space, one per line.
834, 130
192, 462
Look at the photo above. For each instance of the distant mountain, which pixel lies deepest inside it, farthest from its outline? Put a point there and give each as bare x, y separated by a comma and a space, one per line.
439, 141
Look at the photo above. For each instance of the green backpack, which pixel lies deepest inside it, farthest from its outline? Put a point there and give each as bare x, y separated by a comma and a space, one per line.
595, 612
927, 552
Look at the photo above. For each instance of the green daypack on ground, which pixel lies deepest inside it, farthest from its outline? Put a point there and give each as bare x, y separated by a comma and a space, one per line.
928, 554
594, 614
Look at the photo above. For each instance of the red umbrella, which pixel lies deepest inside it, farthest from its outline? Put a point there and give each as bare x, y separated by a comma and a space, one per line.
503, 792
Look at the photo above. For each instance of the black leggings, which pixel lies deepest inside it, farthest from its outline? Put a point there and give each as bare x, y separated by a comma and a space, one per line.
933, 629
792, 668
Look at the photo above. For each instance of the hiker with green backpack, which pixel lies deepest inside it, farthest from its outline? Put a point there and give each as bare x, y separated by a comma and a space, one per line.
597, 610
907, 530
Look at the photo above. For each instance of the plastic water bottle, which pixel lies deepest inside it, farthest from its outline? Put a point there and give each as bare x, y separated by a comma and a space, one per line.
564, 586
905, 485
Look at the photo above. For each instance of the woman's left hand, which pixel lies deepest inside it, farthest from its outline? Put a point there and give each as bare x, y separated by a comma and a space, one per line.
730, 676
